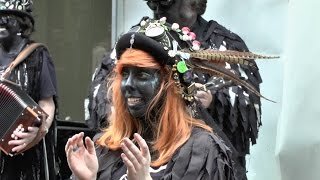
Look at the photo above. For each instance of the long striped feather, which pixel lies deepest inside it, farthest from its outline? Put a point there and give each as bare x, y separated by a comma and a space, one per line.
200, 66
229, 56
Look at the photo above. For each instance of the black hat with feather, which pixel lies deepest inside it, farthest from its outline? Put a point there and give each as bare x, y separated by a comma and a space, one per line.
178, 49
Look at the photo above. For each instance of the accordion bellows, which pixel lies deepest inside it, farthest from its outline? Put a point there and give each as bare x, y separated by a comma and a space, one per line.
18, 111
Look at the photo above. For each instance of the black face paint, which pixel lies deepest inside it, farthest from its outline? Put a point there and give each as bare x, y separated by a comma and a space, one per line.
9, 27
183, 12
155, 4
138, 87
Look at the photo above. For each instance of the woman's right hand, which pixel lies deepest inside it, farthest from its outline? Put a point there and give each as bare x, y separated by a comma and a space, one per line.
82, 160
136, 158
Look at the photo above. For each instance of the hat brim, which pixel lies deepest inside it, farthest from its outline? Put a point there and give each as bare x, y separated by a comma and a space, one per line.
144, 43
17, 13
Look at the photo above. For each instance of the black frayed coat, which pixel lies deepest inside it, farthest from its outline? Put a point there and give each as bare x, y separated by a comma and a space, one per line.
203, 157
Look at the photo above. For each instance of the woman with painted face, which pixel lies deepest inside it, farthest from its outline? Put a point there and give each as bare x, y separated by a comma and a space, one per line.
36, 76
153, 133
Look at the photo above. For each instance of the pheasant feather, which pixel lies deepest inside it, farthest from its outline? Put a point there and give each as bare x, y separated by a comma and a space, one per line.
201, 66
228, 56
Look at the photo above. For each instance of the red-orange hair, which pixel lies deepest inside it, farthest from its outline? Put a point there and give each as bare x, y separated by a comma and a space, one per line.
174, 125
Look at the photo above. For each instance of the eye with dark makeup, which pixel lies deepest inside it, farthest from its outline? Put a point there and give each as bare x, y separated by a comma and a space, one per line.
125, 73
8, 20
143, 74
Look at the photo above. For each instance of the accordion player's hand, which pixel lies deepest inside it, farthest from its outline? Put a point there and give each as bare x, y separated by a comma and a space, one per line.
34, 134
25, 140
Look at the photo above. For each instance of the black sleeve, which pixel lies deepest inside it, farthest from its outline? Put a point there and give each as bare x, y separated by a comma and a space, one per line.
48, 79
204, 156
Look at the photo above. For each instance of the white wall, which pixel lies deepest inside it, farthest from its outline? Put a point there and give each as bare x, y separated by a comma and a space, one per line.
288, 143
299, 138
129, 13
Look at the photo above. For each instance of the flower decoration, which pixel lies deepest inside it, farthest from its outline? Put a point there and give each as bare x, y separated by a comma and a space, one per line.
196, 45
192, 35
184, 34
163, 20
185, 30
175, 26
143, 23
185, 37
172, 53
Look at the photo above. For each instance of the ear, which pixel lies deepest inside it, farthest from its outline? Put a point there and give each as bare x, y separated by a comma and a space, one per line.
152, 5
201, 6
26, 33
26, 28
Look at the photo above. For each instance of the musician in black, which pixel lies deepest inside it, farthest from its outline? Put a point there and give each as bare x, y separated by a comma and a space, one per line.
36, 76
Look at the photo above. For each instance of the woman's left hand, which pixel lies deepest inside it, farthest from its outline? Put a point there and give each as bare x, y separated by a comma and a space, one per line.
136, 159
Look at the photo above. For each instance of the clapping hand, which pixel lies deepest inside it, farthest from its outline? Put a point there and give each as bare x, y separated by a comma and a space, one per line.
82, 160
136, 159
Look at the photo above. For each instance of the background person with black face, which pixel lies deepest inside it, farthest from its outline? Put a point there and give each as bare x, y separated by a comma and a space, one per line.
36, 75
235, 110
152, 133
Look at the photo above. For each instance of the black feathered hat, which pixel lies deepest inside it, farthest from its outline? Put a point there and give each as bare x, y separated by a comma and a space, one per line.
178, 49
21, 8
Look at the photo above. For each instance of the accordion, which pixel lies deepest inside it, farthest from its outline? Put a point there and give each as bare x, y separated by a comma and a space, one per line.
18, 111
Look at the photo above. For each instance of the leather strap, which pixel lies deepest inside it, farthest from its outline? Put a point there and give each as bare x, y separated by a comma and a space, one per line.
22, 55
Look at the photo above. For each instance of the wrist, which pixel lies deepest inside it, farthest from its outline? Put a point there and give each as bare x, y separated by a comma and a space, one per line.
92, 178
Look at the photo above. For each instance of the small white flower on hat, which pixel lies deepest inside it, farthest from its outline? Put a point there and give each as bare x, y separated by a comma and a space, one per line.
185, 37
143, 23
163, 20
175, 26
172, 53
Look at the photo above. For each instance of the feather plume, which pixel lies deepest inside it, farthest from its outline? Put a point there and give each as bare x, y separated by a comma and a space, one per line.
205, 67
229, 56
